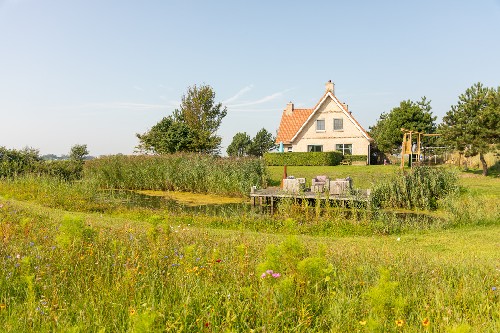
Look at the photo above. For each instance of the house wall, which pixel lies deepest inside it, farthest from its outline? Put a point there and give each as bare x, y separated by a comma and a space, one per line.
330, 138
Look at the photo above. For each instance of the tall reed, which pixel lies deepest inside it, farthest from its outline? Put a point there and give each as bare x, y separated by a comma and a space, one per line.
421, 188
179, 172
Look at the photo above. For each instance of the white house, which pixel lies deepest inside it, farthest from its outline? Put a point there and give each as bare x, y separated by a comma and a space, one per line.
328, 126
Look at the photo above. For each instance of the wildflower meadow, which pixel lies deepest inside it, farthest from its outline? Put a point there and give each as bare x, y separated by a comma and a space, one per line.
72, 262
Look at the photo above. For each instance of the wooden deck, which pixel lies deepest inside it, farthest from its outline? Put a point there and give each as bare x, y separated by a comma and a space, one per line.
269, 196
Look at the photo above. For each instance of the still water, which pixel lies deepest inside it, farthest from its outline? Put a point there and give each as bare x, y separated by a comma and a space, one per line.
133, 199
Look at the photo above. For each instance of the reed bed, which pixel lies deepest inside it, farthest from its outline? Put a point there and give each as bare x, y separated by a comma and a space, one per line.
179, 172
420, 188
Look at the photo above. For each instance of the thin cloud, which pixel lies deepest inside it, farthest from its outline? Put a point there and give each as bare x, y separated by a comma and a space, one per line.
260, 101
253, 110
238, 94
138, 88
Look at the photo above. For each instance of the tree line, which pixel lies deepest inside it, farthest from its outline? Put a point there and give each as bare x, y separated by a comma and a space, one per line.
15, 162
470, 127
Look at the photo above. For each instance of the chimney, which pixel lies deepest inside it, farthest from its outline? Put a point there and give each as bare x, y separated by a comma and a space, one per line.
289, 109
330, 86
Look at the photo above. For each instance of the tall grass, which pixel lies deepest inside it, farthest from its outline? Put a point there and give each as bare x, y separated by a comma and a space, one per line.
421, 188
85, 273
179, 172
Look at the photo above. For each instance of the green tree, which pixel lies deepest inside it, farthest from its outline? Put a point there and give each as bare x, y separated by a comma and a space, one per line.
240, 144
78, 153
472, 125
166, 137
203, 116
191, 128
262, 143
415, 116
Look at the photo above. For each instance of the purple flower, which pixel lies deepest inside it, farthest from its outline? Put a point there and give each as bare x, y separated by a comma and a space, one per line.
493, 288
269, 271
276, 275
263, 275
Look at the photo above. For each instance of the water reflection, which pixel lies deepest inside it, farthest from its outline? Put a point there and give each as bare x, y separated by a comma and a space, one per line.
131, 199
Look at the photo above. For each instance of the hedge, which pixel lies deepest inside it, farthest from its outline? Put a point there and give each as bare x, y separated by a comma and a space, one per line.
356, 158
308, 159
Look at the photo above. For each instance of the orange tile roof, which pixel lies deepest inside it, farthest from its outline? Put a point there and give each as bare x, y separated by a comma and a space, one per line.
290, 124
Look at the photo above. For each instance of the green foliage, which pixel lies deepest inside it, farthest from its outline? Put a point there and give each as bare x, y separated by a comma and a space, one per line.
167, 137
203, 116
68, 170
78, 153
71, 230
385, 304
422, 187
179, 172
472, 125
239, 146
242, 145
356, 158
415, 116
309, 158
17, 162
191, 128
261, 143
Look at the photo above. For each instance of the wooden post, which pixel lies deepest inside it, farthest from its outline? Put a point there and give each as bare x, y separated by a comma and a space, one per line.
284, 175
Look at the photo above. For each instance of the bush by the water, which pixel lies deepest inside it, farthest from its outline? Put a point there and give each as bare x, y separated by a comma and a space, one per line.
308, 159
421, 188
178, 172
15, 163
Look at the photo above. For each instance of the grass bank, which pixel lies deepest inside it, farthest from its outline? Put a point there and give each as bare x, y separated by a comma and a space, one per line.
94, 272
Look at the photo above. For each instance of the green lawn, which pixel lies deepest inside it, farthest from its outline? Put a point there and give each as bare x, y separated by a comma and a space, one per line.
363, 176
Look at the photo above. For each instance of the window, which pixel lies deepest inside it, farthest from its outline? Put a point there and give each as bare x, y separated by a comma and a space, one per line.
313, 148
338, 124
346, 149
290, 149
320, 125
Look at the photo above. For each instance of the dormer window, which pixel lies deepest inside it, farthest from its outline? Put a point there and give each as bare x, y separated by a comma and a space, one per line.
320, 125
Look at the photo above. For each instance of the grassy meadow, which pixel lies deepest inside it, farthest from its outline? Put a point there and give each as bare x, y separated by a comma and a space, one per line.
74, 260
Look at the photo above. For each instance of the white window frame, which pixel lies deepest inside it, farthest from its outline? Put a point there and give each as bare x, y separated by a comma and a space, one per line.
324, 125
342, 147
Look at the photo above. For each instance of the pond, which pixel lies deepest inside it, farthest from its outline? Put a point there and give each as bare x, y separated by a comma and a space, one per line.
178, 201
212, 205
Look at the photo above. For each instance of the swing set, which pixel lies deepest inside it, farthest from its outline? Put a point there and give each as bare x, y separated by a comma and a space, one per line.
413, 149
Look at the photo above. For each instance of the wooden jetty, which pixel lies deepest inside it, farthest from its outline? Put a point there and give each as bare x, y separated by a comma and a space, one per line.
269, 196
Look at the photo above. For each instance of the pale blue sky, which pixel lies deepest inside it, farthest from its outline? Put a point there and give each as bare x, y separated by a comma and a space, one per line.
96, 72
